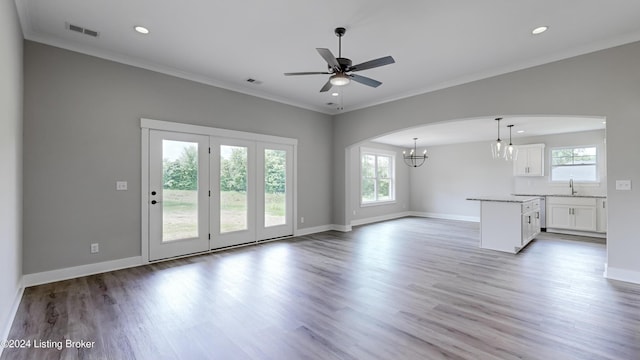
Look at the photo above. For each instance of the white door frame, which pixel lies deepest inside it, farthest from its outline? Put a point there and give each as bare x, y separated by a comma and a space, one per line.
150, 124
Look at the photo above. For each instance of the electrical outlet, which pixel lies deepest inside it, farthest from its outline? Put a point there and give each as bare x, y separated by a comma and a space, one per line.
121, 185
623, 185
302, 220
95, 248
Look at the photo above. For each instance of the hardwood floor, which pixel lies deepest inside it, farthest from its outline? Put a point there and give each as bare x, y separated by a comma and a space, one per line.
411, 288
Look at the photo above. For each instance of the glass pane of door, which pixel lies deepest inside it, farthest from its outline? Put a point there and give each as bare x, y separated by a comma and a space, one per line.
275, 187
233, 188
180, 190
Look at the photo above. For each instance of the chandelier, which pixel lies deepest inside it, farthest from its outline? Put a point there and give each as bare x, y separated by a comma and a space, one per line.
412, 158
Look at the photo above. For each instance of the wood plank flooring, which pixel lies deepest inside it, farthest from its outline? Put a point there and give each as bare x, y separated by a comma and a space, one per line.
411, 288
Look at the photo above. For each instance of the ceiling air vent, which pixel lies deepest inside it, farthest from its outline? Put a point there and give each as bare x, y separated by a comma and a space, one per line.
254, 81
82, 30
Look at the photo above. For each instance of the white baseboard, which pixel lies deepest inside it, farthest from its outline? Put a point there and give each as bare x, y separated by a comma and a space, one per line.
46, 277
6, 328
621, 274
379, 218
343, 228
313, 230
445, 216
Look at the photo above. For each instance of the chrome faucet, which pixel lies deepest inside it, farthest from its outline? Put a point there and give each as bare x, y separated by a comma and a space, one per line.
573, 189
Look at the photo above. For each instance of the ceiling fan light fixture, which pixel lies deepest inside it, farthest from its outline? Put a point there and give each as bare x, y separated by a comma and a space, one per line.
339, 80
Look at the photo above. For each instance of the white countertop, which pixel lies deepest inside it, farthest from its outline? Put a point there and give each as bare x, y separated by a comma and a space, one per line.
563, 195
507, 198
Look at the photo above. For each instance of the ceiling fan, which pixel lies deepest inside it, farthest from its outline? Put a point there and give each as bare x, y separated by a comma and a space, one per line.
340, 68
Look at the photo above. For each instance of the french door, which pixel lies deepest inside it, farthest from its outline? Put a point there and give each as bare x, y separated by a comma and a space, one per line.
233, 199
275, 198
208, 192
178, 194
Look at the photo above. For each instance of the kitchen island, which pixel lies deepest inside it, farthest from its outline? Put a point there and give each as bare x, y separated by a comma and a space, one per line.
508, 223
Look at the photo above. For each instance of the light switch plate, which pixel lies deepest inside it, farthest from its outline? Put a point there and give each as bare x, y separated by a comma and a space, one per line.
624, 185
121, 185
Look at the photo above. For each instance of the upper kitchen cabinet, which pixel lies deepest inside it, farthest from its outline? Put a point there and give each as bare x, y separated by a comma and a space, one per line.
530, 160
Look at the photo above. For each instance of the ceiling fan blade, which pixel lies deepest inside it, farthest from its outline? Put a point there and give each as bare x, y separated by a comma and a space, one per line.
365, 80
307, 73
326, 86
331, 60
373, 63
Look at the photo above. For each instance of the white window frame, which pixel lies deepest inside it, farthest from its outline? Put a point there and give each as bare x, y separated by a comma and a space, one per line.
597, 164
378, 152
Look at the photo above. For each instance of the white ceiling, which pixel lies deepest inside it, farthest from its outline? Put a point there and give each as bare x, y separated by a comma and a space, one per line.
486, 129
436, 43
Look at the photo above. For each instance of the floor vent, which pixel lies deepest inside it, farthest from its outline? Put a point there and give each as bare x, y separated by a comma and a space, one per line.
82, 30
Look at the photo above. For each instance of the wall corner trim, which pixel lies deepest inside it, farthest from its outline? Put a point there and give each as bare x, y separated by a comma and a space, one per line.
46, 277
613, 273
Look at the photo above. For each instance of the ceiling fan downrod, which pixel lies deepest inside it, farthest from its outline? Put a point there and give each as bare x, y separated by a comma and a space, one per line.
340, 31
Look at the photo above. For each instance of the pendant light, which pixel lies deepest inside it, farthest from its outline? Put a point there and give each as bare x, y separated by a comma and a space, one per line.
413, 159
511, 152
497, 150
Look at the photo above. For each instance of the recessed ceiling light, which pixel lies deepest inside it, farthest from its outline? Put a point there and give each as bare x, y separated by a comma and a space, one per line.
604, 122
141, 29
539, 30
520, 131
335, 94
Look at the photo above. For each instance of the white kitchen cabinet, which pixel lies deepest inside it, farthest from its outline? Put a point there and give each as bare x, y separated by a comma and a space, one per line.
602, 215
508, 224
529, 161
571, 213
530, 225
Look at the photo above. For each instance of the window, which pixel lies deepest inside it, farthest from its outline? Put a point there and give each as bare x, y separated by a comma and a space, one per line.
377, 169
577, 163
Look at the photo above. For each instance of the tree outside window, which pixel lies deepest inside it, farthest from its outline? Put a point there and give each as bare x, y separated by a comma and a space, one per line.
577, 163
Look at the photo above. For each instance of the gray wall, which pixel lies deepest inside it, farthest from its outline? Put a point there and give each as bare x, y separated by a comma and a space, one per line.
401, 204
604, 83
454, 173
458, 171
82, 133
11, 160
